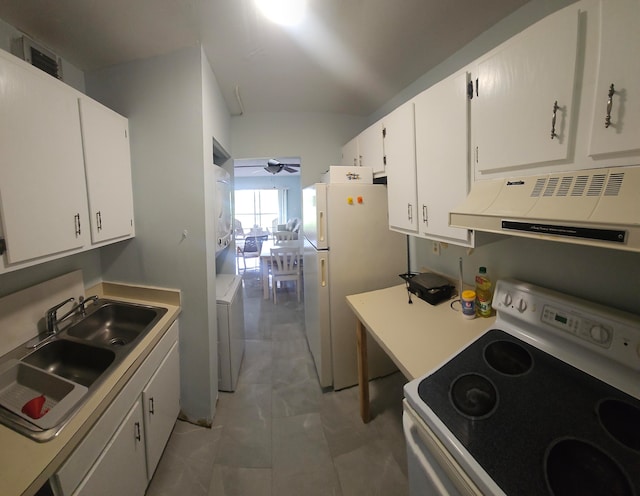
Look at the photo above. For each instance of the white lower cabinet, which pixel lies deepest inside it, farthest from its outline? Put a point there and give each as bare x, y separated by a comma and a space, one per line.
121, 467
119, 456
160, 399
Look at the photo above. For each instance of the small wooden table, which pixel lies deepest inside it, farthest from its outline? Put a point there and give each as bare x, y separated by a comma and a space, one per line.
265, 256
418, 337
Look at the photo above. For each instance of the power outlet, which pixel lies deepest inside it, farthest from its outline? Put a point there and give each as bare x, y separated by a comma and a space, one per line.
435, 248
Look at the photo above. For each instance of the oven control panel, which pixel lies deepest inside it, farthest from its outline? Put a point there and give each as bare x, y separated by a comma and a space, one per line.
589, 330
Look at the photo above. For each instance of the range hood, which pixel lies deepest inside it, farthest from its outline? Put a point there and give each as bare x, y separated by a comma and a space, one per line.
595, 207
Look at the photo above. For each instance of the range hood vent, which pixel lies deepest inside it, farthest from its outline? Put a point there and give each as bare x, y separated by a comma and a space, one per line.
598, 207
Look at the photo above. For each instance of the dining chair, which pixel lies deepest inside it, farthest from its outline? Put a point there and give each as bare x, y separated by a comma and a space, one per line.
251, 248
285, 266
280, 236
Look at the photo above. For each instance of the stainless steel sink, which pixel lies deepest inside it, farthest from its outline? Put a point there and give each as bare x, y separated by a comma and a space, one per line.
77, 362
66, 368
116, 323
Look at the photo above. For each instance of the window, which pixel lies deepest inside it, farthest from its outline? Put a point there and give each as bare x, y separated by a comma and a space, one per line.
259, 207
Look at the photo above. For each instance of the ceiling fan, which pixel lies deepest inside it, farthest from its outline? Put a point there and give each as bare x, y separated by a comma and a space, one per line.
275, 167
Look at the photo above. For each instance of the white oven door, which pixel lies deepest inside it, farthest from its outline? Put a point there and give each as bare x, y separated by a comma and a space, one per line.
432, 469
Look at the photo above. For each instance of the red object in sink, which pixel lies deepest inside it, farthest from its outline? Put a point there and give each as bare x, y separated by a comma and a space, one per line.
33, 407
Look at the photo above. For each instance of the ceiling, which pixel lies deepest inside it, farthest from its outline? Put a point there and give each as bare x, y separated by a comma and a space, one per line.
349, 56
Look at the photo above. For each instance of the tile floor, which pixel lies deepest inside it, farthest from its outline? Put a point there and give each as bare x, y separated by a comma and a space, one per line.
279, 434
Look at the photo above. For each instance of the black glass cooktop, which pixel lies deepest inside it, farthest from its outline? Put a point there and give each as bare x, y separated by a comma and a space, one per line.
536, 424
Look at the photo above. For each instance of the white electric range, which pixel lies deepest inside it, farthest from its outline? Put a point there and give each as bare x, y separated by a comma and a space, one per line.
546, 401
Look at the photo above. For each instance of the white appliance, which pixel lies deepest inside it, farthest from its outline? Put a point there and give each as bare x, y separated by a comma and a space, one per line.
597, 207
348, 249
544, 402
222, 206
230, 330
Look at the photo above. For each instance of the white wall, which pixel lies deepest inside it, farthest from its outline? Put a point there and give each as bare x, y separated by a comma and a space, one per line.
314, 137
164, 98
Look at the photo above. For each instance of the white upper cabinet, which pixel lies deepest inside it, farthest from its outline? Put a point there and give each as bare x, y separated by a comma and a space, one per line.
350, 154
43, 199
370, 148
442, 157
105, 137
616, 113
524, 105
400, 154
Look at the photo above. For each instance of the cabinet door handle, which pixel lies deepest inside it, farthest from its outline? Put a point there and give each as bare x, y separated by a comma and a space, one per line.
76, 220
151, 408
607, 119
553, 120
137, 431
409, 212
425, 215
323, 272
99, 220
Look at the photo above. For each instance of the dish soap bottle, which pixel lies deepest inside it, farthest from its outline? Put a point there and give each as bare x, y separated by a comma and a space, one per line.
484, 293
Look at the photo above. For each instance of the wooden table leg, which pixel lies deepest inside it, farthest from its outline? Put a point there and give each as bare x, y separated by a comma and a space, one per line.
363, 371
264, 273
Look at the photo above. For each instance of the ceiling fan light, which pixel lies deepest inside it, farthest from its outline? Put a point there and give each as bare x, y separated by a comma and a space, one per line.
284, 12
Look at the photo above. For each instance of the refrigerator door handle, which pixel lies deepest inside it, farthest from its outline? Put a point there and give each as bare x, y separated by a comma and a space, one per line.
323, 272
321, 226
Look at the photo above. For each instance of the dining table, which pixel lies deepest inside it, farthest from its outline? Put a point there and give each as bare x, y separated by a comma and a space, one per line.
265, 258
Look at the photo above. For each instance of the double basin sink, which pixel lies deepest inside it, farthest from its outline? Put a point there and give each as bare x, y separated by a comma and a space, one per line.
40, 391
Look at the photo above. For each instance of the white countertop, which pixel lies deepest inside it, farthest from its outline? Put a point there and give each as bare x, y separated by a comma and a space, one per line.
418, 337
25, 464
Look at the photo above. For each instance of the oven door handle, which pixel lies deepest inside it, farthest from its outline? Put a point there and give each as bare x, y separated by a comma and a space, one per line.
447, 464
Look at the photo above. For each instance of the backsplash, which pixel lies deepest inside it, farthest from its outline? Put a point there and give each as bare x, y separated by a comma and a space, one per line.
22, 313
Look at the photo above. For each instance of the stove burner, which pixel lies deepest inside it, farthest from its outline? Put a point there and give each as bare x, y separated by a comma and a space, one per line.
474, 395
508, 357
621, 420
575, 468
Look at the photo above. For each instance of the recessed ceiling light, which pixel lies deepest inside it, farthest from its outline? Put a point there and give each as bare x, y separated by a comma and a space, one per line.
285, 12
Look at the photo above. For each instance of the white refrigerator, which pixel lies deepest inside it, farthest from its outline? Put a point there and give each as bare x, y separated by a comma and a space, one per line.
348, 249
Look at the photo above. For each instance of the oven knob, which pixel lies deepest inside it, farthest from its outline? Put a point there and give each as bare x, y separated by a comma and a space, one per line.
522, 305
507, 299
599, 334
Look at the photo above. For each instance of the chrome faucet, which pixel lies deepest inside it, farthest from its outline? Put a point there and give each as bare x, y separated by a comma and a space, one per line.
51, 317
82, 301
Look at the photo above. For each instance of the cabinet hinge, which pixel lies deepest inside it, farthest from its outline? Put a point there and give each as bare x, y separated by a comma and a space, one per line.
384, 132
3, 246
